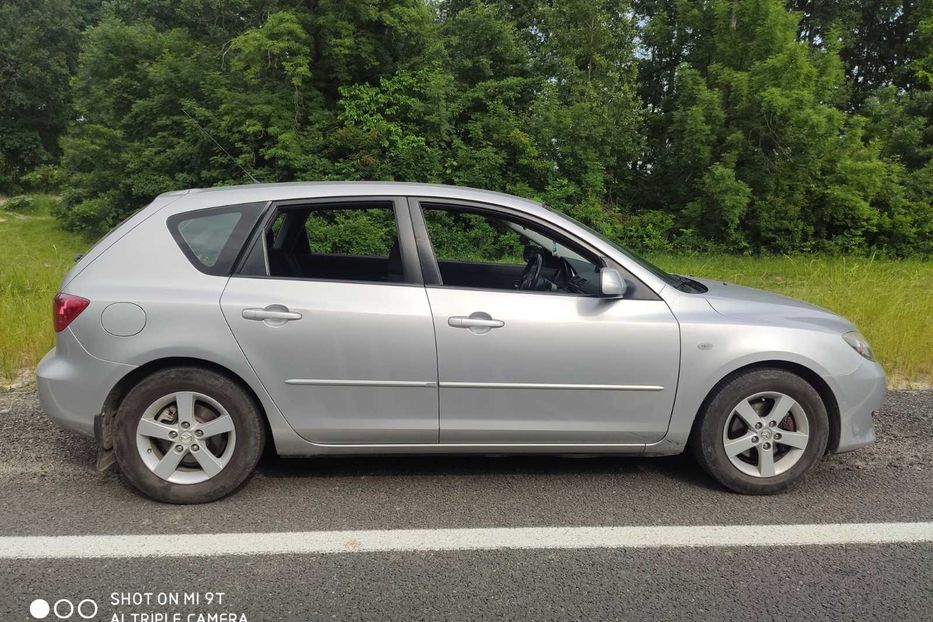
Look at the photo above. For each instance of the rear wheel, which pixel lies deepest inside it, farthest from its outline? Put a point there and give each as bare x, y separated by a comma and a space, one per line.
187, 435
761, 432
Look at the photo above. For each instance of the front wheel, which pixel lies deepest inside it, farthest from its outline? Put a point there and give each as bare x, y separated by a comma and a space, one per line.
761, 432
187, 435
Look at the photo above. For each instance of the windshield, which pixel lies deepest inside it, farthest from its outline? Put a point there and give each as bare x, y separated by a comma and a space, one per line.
552, 246
668, 278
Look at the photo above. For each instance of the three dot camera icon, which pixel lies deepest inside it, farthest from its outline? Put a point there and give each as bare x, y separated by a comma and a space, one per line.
63, 609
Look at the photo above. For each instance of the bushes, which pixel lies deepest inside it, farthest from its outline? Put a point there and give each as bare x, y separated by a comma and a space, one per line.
22, 204
666, 125
43, 178
31, 204
650, 231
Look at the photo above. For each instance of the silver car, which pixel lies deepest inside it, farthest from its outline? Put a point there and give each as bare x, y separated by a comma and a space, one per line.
390, 318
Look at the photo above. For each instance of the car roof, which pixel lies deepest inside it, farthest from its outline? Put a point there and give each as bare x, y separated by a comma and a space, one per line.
231, 195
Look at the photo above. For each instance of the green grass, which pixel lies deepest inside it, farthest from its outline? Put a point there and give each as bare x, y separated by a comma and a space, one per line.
35, 255
891, 302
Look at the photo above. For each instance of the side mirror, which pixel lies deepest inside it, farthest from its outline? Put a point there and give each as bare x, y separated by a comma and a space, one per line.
611, 283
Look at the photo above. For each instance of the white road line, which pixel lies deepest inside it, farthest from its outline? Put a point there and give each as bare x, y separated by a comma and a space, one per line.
199, 545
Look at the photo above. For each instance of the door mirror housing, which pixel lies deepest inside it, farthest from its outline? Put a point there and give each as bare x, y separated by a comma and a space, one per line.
611, 283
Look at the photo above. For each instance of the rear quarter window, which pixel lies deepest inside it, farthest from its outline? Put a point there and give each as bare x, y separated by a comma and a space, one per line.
212, 238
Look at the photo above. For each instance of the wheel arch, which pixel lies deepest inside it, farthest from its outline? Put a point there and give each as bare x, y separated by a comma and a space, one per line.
814, 379
126, 383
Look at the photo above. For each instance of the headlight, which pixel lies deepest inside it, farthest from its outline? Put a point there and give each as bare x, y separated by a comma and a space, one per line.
859, 344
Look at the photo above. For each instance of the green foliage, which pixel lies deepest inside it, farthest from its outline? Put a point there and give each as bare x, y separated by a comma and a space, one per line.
923, 63
22, 204
900, 125
748, 148
368, 232
876, 41
649, 231
45, 177
40, 253
669, 124
718, 211
43, 204
472, 237
38, 54
397, 128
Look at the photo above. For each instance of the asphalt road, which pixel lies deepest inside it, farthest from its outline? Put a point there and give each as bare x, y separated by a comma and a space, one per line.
48, 487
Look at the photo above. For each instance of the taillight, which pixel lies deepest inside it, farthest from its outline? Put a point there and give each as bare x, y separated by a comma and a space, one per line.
65, 308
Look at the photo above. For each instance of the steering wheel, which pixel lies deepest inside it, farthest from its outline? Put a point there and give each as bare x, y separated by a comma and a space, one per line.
532, 271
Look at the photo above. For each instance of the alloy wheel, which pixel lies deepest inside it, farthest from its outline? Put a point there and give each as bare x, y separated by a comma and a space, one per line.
185, 437
766, 434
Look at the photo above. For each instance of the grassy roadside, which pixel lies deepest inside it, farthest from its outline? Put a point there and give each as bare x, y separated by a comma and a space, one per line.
890, 301
35, 255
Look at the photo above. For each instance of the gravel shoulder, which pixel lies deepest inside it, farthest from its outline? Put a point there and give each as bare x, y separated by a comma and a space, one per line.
49, 487
31, 445
48, 479
903, 431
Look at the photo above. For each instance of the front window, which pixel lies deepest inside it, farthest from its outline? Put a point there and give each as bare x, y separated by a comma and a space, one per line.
675, 280
482, 250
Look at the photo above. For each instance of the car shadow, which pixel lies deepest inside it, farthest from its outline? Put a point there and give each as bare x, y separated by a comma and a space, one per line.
681, 468
80, 453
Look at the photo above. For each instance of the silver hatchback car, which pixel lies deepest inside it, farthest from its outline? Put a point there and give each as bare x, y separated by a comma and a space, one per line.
390, 318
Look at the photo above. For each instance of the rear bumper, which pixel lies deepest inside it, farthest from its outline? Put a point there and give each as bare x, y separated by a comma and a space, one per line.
73, 385
859, 395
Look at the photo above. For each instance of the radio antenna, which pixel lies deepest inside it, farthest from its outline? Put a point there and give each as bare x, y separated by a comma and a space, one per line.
219, 146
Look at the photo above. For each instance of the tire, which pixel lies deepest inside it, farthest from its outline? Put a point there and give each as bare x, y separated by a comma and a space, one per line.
211, 461
739, 414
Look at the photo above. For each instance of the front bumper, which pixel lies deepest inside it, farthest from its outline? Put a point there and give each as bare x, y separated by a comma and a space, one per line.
859, 396
73, 384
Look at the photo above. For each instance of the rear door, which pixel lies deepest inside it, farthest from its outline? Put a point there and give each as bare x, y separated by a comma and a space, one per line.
330, 310
557, 365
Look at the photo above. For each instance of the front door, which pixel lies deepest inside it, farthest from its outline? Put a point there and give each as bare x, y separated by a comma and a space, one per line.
338, 331
528, 353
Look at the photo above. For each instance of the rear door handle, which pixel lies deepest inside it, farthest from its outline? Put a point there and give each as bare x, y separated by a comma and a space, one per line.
461, 321
273, 314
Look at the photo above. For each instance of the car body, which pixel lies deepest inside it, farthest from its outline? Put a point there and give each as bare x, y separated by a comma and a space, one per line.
412, 352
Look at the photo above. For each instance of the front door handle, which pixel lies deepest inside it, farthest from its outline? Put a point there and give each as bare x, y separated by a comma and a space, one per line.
478, 323
460, 321
273, 315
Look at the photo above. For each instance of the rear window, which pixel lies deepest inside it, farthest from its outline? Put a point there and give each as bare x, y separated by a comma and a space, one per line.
212, 239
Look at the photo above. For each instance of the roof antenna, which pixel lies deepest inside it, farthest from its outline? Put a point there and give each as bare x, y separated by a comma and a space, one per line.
219, 146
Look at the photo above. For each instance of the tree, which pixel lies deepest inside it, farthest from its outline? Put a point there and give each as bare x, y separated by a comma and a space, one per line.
747, 148
38, 54
495, 91
878, 40
727, 124
587, 120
